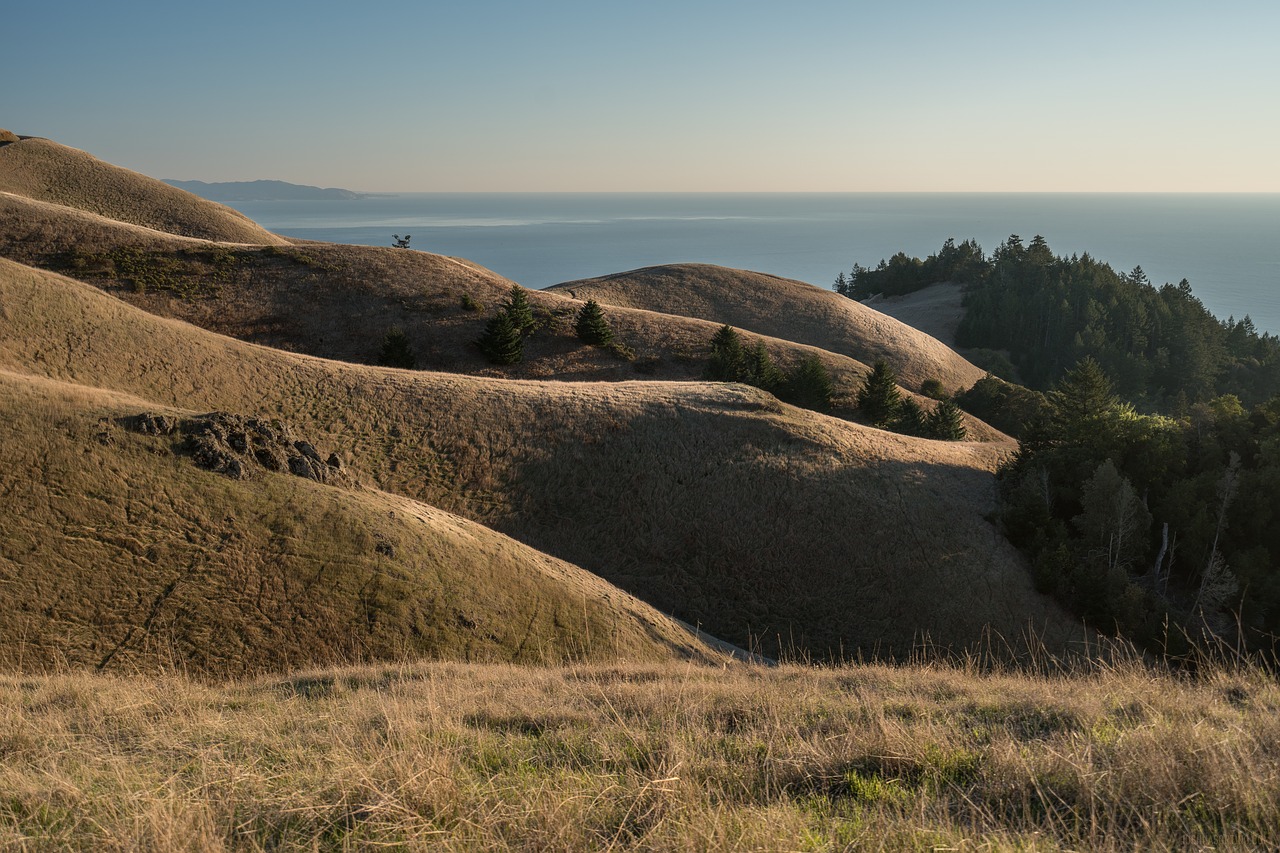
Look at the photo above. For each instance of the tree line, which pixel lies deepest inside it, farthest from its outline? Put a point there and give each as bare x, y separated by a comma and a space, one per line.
1162, 349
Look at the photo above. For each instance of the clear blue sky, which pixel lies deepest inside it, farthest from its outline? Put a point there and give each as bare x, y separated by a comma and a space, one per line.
654, 95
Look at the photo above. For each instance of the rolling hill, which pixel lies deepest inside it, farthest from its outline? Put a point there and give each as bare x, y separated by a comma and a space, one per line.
769, 526
122, 553
782, 308
43, 170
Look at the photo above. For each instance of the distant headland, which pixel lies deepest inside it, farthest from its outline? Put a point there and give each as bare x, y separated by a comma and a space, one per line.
261, 191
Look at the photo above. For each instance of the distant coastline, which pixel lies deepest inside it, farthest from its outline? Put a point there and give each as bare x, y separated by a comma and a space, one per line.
229, 191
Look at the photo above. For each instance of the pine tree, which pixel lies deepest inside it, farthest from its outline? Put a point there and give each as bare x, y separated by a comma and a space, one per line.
726, 356
591, 326
911, 418
758, 369
517, 307
396, 351
502, 342
879, 398
946, 422
810, 385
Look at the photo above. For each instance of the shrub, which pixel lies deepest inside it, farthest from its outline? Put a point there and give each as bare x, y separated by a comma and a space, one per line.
396, 350
469, 303
933, 389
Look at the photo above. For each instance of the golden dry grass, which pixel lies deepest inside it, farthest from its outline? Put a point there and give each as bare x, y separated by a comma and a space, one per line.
766, 525
935, 310
782, 308
43, 170
339, 301
671, 757
120, 553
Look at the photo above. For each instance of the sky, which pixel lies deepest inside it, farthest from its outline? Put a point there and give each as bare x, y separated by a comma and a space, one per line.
650, 95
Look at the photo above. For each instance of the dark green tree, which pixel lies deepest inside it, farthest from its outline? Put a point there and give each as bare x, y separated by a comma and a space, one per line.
396, 350
726, 356
879, 398
758, 369
591, 326
911, 419
517, 307
946, 422
502, 342
809, 385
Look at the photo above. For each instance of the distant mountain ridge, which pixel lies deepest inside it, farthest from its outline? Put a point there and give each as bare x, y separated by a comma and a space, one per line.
261, 191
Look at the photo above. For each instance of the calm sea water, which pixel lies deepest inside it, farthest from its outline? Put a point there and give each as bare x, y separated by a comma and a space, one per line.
1227, 246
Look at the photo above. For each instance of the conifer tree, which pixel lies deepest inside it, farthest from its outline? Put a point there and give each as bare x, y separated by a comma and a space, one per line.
879, 398
591, 326
911, 418
396, 350
946, 422
810, 385
517, 307
726, 356
502, 342
758, 369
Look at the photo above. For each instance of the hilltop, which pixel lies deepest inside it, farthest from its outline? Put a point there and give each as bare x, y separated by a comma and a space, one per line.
43, 170
782, 308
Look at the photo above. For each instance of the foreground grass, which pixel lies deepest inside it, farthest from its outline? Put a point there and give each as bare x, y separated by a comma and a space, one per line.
667, 757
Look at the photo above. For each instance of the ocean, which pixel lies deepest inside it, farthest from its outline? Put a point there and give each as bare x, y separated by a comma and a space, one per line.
1227, 246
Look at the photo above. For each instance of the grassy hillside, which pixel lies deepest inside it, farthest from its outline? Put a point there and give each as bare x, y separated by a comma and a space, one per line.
46, 171
121, 553
770, 305
668, 757
765, 524
339, 301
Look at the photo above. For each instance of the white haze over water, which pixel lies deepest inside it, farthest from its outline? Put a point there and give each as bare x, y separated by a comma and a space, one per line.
1227, 246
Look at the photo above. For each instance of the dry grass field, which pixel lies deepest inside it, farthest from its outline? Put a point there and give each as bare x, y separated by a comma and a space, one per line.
311, 604
935, 310
767, 525
657, 757
339, 301
121, 554
793, 310
46, 171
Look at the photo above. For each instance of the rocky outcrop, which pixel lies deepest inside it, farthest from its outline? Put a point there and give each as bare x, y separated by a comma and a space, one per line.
238, 446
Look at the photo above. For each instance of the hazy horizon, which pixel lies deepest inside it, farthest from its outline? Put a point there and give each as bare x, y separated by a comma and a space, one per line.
669, 97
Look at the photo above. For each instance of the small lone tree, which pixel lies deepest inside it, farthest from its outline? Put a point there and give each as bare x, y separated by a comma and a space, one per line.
502, 342
517, 307
946, 422
879, 398
401, 242
591, 326
396, 350
810, 385
726, 356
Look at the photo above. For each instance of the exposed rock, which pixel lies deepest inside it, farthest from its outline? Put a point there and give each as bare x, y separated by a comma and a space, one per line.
152, 424
236, 446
